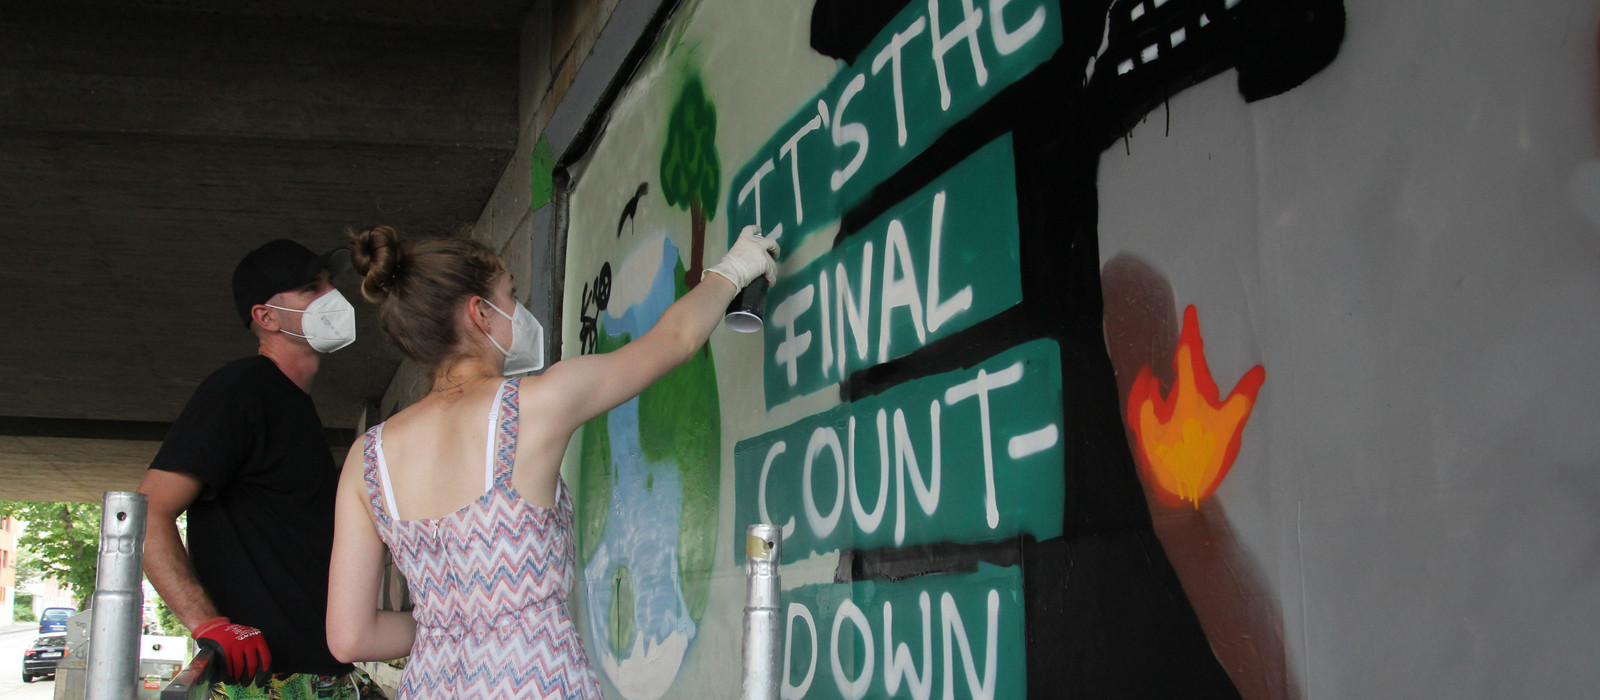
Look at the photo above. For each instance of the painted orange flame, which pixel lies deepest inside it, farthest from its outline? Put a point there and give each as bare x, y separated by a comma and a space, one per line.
1186, 442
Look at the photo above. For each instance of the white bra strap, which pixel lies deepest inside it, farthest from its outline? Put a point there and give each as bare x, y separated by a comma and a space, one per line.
383, 475
494, 438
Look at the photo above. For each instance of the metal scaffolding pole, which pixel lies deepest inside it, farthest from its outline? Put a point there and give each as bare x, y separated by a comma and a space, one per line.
118, 599
763, 621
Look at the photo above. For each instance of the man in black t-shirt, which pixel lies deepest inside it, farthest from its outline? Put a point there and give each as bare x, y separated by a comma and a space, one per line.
250, 462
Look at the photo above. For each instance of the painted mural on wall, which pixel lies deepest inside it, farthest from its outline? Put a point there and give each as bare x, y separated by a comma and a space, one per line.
1185, 440
930, 413
649, 485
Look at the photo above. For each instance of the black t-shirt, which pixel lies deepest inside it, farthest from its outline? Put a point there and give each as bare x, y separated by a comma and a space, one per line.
261, 532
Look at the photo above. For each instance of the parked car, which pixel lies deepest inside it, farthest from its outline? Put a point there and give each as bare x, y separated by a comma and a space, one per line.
54, 619
41, 658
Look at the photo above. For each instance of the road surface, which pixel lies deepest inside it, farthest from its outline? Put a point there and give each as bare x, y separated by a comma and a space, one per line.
13, 640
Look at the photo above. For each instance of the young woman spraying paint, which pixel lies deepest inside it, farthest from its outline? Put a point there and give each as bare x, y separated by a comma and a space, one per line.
464, 486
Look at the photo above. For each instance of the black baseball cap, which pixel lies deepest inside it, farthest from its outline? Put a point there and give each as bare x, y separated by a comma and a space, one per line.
278, 266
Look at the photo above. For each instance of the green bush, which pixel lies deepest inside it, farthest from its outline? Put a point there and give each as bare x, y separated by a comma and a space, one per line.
167, 621
22, 607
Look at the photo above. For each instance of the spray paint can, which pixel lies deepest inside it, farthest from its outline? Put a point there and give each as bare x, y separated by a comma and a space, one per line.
745, 311
763, 622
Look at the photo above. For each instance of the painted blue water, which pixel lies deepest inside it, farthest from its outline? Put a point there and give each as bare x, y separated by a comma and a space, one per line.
643, 516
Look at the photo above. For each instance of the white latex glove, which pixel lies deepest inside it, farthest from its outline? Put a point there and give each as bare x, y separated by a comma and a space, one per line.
750, 257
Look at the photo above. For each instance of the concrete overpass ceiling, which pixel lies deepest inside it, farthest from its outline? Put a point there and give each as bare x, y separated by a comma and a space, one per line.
498, 15
146, 146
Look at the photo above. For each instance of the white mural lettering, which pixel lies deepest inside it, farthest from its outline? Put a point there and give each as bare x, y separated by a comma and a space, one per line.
900, 51
1007, 41
950, 620
891, 55
800, 612
851, 688
897, 663
856, 313
823, 438
941, 311
924, 489
898, 289
868, 522
980, 387
754, 186
827, 338
777, 448
905, 460
849, 318
793, 346
790, 151
966, 30
853, 132
1033, 443
950, 260
917, 461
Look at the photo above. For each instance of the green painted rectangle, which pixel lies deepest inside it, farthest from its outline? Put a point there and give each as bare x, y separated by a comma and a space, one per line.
938, 636
904, 91
991, 470
934, 264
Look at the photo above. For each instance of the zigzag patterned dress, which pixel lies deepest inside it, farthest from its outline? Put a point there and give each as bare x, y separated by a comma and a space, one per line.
489, 582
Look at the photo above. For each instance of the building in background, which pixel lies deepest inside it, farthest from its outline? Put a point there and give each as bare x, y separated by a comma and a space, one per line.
8, 569
48, 593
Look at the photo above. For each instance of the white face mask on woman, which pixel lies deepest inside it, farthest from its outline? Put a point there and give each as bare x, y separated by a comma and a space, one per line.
527, 341
329, 322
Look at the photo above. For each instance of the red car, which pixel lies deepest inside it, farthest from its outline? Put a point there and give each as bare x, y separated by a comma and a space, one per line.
42, 657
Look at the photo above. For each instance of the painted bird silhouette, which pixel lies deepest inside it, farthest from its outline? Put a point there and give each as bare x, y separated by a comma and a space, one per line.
632, 207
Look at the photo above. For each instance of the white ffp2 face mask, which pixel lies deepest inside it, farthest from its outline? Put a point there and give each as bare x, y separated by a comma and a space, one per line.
329, 322
527, 341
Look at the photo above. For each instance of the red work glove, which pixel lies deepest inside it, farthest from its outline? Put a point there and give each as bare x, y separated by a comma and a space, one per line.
242, 649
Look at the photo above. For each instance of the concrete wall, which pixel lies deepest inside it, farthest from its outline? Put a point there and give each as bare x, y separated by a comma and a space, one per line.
557, 38
1407, 245
8, 569
1255, 364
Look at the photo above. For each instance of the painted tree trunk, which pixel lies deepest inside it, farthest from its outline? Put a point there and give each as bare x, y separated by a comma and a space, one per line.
697, 246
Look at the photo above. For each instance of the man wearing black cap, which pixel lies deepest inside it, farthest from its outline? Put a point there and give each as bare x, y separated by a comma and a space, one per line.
249, 461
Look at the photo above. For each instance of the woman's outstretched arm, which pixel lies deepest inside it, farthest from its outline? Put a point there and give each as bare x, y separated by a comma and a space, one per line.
589, 385
357, 629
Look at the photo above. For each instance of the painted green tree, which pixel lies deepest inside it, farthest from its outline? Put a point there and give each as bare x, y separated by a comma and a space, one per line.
63, 541
691, 173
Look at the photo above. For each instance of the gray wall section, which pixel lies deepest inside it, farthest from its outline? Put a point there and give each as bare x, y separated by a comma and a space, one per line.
560, 42
1400, 243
